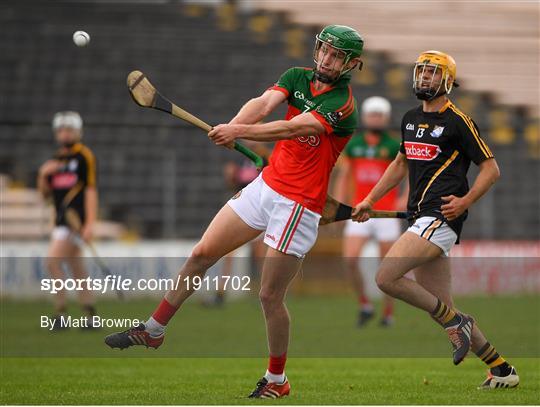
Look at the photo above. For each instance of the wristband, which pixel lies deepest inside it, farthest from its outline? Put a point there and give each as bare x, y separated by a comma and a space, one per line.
369, 201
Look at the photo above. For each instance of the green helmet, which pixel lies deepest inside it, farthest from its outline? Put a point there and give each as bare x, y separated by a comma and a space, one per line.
343, 38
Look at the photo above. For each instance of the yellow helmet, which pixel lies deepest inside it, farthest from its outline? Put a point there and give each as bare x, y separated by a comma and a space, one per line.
435, 60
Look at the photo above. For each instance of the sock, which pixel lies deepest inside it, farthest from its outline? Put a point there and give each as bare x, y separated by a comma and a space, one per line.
498, 366
388, 310
160, 318
445, 315
364, 302
276, 369
153, 327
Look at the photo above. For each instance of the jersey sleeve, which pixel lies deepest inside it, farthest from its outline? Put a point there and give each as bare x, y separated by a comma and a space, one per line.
337, 115
285, 83
470, 142
88, 169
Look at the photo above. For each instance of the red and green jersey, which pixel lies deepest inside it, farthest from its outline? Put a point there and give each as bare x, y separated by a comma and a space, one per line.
368, 163
299, 169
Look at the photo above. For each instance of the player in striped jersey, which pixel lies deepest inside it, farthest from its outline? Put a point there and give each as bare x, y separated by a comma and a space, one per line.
438, 144
70, 180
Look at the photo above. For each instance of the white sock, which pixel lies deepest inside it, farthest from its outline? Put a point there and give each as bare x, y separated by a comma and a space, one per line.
153, 327
275, 378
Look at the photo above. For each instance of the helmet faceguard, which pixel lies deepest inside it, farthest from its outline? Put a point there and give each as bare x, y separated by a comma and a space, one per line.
336, 45
434, 75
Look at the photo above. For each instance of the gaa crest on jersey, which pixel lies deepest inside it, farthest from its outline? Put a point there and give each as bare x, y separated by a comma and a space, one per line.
437, 132
409, 126
333, 117
72, 165
421, 151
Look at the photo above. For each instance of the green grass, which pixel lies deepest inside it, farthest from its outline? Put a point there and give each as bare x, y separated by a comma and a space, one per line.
227, 381
216, 356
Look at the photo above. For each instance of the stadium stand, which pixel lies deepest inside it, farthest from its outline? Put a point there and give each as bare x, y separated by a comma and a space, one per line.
24, 215
163, 178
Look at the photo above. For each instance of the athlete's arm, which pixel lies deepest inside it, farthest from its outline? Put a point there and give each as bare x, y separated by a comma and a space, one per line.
90, 210
488, 175
396, 171
303, 125
403, 197
45, 171
342, 191
258, 108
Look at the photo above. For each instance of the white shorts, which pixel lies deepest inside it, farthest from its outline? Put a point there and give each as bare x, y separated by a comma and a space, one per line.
382, 230
287, 225
436, 231
65, 233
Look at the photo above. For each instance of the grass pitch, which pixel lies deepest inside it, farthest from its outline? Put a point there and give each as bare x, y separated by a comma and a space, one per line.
330, 360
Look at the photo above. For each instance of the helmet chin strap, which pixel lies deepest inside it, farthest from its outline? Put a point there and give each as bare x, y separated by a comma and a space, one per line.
321, 77
423, 95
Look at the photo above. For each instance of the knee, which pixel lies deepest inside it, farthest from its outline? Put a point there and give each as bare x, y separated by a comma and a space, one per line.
202, 256
384, 283
270, 298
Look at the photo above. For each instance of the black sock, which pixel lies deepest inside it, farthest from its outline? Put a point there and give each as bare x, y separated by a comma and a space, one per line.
502, 370
489, 355
445, 315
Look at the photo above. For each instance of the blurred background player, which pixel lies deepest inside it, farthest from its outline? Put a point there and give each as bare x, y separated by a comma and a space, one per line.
366, 157
238, 174
69, 178
438, 144
285, 202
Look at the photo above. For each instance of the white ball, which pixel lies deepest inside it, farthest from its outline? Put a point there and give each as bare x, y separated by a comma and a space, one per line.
81, 38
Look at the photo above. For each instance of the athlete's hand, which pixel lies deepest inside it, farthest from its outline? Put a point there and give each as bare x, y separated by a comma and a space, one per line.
453, 207
225, 134
87, 232
361, 212
49, 167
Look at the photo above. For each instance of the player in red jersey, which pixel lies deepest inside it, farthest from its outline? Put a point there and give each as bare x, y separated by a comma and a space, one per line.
285, 202
366, 157
438, 144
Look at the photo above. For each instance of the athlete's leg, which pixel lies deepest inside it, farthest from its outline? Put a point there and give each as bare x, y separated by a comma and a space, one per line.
436, 278
407, 253
57, 253
352, 249
78, 270
278, 271
388, 301
225, 233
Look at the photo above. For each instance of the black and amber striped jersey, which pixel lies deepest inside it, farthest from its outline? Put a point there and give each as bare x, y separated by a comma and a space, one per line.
439, 147
77, 172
